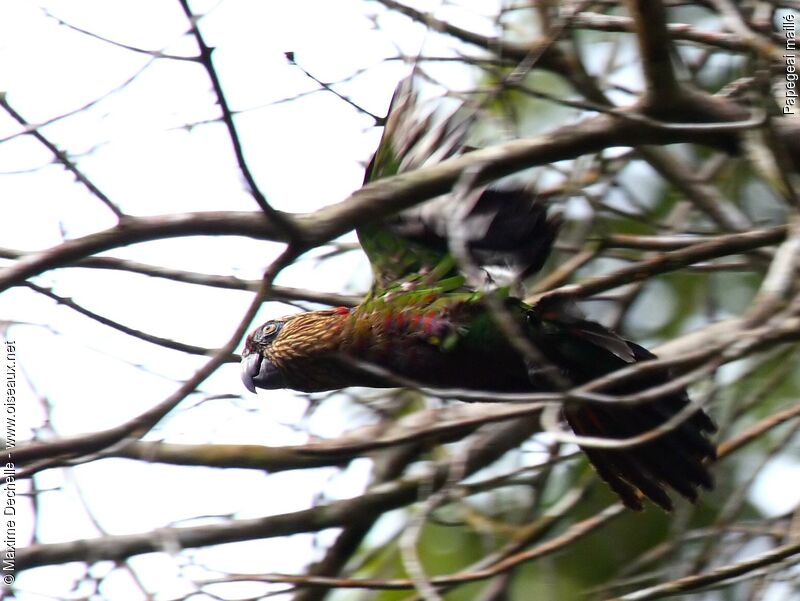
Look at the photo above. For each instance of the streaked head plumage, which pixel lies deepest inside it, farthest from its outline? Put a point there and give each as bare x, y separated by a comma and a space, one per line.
278, 350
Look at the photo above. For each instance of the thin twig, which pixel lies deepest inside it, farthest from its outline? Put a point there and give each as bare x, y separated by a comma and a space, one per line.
281, 220
715, 576
61, 157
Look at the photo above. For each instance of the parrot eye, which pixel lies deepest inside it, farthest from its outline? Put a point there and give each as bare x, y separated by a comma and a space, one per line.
267, 331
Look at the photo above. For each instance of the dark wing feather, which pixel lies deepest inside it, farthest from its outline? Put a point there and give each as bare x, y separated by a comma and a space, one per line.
508, 228
411, 138
414, 136
503, 227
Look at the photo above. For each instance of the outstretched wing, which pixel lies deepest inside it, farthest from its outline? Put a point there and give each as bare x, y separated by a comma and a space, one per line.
411, 138
505, 227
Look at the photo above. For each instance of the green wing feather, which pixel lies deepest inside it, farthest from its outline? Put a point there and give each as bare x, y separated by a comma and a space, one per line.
504, 227
410, 139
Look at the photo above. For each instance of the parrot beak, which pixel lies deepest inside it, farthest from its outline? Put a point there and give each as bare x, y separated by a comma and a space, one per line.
260, 372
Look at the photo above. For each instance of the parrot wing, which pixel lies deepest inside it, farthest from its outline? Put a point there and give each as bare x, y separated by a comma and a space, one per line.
503, 227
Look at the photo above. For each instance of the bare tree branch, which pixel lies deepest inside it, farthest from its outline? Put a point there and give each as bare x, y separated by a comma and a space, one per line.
369, 203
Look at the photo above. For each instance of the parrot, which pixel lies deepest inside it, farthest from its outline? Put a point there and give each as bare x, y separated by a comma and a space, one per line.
427, 319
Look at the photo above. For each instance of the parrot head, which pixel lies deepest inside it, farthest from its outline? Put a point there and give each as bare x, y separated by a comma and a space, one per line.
258, 366
297, 351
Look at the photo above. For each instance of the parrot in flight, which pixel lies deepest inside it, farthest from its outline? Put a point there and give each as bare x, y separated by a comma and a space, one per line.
427, 320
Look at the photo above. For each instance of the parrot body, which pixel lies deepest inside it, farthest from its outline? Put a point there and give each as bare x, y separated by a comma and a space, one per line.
426, 321
441, 341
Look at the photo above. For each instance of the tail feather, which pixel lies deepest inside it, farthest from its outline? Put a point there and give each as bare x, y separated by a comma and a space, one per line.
691, 432
675, 459
618, 468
